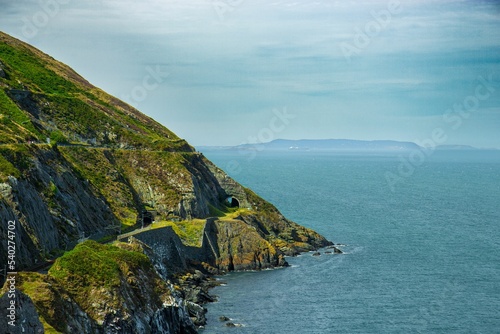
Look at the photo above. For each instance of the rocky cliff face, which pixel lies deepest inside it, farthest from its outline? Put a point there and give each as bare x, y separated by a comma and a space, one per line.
76, 163
53, 207
85, 294
31, 323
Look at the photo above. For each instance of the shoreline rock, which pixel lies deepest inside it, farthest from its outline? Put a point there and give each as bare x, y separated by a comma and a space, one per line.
335, 249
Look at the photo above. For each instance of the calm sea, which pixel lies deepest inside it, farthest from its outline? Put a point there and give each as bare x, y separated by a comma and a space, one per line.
423, 257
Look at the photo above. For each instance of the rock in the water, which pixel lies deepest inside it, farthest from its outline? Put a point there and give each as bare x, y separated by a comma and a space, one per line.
335, 250
316, 254
232, 324
223, 318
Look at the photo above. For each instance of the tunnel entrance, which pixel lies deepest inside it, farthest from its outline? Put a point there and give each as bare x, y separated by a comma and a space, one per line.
233, 202
147, 217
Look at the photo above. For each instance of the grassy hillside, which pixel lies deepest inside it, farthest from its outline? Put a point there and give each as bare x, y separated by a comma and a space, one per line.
45, 103
41, 98
69, 147
77, 163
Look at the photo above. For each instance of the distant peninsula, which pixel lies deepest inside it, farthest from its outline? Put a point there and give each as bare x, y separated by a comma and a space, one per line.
334, 145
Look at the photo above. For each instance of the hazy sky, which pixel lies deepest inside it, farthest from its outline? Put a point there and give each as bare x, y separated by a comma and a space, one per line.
255, 70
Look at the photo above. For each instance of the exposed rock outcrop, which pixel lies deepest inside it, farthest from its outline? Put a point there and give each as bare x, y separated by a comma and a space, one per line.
77, 163
227, 245
53, 207
102, 289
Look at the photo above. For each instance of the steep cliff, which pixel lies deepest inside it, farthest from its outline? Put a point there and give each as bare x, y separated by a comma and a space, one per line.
76, 163
102, 289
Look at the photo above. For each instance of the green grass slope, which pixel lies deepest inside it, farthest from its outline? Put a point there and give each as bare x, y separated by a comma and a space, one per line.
42, 98
61, 136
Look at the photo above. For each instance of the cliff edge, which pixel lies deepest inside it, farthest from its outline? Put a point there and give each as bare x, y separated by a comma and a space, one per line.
78, 164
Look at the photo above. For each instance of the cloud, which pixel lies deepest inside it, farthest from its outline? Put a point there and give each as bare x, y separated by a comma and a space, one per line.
262, 55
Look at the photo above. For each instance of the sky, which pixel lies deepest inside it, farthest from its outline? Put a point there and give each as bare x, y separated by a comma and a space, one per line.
227, 72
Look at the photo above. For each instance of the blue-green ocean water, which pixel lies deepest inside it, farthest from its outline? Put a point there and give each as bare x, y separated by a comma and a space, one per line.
424, 258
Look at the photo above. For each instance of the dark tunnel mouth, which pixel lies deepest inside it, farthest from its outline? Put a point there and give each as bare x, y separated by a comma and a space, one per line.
147, 218
233, 202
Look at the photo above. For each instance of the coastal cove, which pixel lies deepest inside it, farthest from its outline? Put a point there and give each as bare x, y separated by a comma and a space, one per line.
419, 260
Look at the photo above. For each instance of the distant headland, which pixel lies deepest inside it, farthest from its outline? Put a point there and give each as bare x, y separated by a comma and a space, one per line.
336, 145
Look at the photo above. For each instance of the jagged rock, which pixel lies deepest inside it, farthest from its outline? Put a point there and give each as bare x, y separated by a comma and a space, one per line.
316, 254
198, 312
241, 247
6, 191
336, 250
223, 318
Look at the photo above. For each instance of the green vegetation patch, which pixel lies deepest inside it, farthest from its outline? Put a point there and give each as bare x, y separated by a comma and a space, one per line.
215, 212
225, 212
79, 111
90, 273
77, 119
14, 159
129, 179
189, 231
95, 276
7, 169
15, 125
29, 69
233, 213
90, 265
35, 286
